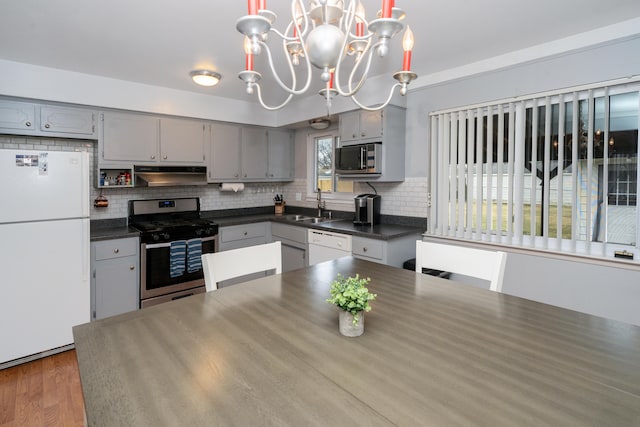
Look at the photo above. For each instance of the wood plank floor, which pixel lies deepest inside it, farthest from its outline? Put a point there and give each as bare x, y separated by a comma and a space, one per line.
45, 392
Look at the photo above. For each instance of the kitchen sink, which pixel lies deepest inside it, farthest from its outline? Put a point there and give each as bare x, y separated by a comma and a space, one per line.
296, 217
308, 219
316, 220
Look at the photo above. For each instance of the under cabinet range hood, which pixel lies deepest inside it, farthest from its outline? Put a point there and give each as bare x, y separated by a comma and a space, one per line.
169, 176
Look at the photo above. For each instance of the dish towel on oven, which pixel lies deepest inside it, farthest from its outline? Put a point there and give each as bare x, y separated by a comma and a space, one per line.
177, 255
194, 255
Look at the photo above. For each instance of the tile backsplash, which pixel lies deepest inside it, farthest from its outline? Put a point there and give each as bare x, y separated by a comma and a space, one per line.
408, 198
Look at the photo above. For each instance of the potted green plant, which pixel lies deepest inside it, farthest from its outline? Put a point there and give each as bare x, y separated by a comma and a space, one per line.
352, 296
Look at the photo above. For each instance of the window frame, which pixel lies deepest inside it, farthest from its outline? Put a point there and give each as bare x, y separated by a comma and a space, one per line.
446, 214
312, 191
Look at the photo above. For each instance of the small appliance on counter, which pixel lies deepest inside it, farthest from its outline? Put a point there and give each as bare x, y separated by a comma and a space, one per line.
367, 209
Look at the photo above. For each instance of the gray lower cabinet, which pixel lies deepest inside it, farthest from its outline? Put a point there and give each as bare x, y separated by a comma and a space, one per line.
294, 245
115, 268
392, 252
240, 236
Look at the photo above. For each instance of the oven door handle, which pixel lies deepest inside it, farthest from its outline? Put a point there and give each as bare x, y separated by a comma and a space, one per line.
166, 245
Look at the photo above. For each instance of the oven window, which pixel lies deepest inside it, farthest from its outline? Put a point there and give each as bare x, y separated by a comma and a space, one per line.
158, 267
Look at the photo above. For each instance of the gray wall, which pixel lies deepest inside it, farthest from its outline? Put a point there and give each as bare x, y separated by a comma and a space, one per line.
581, 285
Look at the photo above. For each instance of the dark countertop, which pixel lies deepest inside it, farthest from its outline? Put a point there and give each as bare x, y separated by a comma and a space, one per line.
117, 228
379, 232
111, 229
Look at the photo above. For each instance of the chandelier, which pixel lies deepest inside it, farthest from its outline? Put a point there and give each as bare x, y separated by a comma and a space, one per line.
324, 35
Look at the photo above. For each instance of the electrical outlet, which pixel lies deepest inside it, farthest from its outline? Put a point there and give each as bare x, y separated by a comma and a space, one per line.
298, 196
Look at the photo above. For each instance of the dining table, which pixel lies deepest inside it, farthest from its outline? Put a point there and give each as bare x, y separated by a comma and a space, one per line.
435, 352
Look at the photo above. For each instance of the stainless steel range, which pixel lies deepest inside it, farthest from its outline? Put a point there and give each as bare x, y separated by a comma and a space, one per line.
173, 236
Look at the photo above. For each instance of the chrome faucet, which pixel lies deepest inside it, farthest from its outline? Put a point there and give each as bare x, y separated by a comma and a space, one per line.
321, 203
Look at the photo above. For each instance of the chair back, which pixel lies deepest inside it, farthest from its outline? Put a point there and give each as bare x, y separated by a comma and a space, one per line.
486, 265
225, 265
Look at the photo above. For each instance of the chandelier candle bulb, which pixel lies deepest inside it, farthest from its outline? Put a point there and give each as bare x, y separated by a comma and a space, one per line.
248, 54
407, 45
262, 4
360, 20
331, 80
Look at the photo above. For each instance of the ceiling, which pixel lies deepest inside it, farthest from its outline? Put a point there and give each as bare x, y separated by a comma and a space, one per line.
158, 42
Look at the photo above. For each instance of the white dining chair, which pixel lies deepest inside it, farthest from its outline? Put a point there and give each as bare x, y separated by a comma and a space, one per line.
225, 265
479, 263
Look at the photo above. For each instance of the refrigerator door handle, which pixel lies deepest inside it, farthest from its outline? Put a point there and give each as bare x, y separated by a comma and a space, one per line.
85, 184
86, 249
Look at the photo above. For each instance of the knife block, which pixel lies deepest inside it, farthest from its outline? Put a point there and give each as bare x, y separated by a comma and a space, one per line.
280, 208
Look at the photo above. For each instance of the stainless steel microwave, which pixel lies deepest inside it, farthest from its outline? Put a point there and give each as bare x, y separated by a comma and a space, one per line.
359, 159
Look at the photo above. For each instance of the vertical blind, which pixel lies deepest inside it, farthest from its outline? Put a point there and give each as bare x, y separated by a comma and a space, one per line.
556, 170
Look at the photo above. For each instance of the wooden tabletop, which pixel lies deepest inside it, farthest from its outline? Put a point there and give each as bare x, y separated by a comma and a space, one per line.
434, 352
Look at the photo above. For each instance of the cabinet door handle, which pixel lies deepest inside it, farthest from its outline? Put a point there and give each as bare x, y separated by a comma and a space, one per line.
116, 250
362, 134
245, 175
245, 233
164, 157
47, 125
153, 157
364, 249
28, 124
353, 135
132, 267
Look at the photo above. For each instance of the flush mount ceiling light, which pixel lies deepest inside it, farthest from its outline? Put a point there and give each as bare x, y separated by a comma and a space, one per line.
323, 35
205, 77
319, 124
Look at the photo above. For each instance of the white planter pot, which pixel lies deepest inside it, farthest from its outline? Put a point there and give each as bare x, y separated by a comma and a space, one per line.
346, 324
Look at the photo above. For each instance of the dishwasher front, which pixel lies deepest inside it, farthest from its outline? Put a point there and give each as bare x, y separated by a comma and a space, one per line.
327, 245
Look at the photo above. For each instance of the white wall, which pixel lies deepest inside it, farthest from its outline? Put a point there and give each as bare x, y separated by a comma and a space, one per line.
580, 285
49, 84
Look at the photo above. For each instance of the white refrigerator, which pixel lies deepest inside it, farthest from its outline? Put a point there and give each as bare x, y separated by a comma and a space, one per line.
44, 250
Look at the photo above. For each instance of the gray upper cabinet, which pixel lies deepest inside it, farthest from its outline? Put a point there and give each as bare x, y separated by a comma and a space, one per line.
250, 154
129, 137
254, 153
183, 140
25, 118
140, 138
361, 125
386, 127
17, 115
281, 154
67, 120
224, 160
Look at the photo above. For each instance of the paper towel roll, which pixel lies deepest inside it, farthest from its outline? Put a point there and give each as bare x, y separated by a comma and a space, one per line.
232, 186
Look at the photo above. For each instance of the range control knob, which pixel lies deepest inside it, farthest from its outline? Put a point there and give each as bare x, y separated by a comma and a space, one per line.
155, 237
166, 236
199, 232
